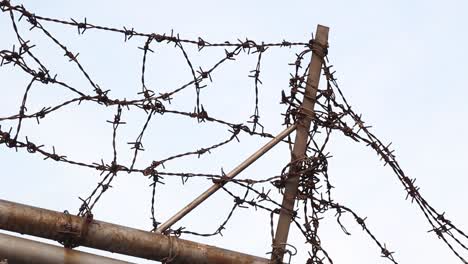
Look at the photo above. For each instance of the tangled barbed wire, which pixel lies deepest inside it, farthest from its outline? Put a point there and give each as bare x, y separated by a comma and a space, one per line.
332, 113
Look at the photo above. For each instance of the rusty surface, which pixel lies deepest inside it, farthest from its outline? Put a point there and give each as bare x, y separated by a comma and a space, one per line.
300, 145
333, 114
114, 238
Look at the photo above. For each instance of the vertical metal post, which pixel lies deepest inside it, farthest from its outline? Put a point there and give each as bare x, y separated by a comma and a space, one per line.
300, 144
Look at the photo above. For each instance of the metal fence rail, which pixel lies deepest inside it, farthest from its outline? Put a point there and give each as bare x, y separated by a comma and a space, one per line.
16, 250
74, 230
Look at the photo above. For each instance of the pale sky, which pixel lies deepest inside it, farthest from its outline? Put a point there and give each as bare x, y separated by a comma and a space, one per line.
400, 63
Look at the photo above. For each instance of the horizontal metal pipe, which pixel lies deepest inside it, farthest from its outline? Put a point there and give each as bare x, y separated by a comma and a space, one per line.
114, 238
16, 250
202, 197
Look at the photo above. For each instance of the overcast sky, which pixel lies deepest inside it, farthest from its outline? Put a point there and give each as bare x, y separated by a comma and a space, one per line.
402, 64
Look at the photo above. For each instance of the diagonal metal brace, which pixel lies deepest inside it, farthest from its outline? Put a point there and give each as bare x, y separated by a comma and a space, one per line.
163, 227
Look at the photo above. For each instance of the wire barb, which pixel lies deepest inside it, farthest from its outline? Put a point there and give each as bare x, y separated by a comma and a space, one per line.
315, 195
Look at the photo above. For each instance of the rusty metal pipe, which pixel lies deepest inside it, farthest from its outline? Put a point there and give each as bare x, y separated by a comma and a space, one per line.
202, 197
300, 147
19, 250
114, 238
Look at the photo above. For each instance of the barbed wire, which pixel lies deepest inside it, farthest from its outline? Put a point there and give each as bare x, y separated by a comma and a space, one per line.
332, 113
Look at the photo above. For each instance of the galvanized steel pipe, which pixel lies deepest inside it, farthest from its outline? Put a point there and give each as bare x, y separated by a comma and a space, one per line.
17, 250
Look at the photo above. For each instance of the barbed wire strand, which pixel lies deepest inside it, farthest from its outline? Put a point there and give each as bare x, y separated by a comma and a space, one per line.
332, 113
